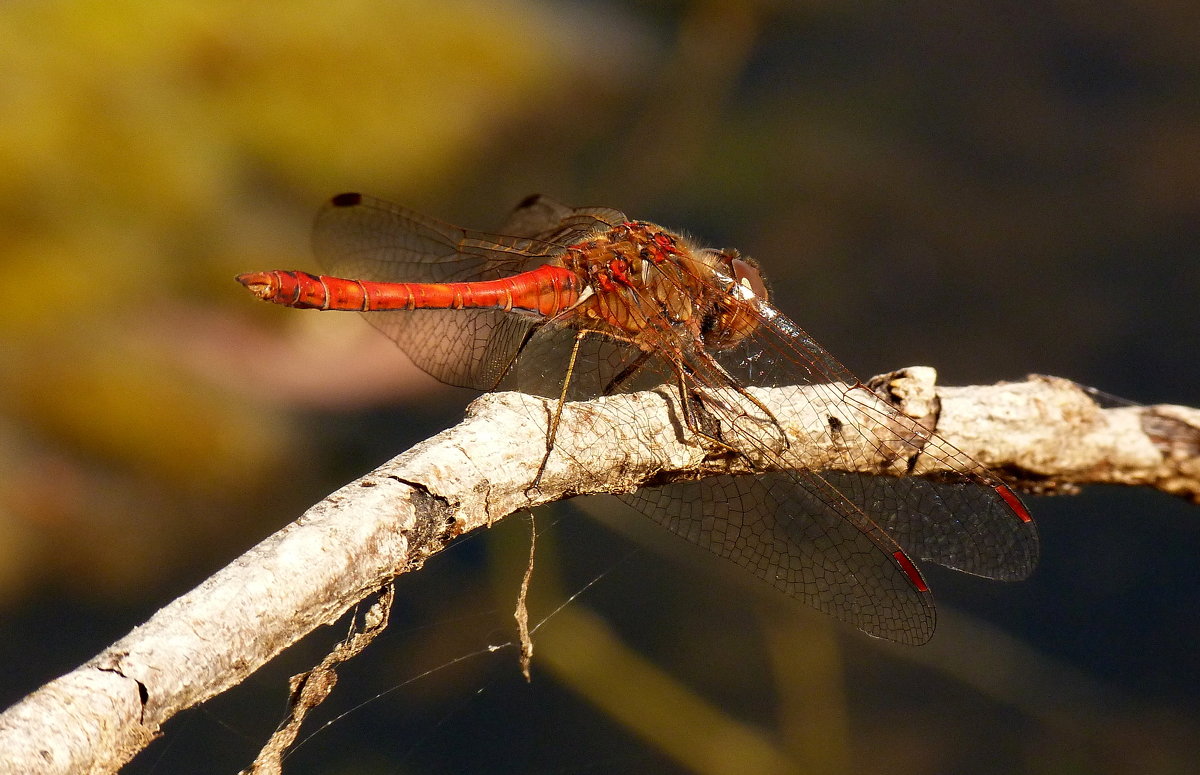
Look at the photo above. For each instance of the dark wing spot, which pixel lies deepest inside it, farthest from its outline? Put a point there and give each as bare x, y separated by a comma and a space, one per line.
346, 200
529, 201
835, 425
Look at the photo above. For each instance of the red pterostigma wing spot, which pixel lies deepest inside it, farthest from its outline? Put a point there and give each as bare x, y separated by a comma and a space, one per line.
655, 309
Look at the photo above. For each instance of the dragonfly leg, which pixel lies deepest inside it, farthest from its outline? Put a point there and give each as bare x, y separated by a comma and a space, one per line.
552, 429
515, 356
728, 381
626, 374
692, 407
698, 420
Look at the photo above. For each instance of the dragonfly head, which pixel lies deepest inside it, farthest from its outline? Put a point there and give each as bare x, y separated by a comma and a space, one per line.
733, 317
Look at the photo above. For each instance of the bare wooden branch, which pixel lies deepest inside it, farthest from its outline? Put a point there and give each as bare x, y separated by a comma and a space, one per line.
1044, 434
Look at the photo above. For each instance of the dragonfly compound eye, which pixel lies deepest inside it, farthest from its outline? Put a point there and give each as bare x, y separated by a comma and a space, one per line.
746, 275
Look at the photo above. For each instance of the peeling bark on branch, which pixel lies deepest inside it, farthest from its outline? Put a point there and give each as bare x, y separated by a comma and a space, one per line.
1044, 435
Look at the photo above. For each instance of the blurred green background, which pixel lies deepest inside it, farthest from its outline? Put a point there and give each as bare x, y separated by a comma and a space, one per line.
991, 188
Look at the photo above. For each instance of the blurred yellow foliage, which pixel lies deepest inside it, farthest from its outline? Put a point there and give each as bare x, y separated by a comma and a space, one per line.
150, 150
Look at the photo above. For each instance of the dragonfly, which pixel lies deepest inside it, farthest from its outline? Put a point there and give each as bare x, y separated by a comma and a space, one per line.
576, 303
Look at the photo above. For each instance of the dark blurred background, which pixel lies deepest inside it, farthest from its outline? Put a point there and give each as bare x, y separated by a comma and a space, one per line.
992, 188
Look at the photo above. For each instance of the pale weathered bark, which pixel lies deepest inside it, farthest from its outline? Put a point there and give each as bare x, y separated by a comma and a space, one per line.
1043, 434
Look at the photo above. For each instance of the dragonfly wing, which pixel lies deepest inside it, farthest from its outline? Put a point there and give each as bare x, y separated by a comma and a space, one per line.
363, 238
535, 214
549, 221
964, 519
467, 348
359, 237
540, 368
805, 541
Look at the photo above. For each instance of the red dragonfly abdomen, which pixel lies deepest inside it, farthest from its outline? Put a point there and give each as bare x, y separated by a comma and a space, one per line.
547, 290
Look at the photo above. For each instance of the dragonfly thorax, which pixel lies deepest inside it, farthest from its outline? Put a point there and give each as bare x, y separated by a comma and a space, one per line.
643, 278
